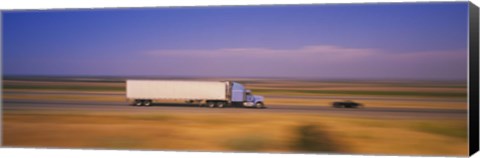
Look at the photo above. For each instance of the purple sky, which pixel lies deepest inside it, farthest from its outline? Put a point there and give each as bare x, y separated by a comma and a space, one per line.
348, 41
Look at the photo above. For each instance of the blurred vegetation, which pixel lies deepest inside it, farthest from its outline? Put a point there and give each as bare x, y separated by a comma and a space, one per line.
458, 131
251, 142
258, 91
153, 117
376, 93
244, 132
258, 87
312, 138
118, 142
66, 87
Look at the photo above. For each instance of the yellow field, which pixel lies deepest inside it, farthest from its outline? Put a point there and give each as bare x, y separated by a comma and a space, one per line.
253, 132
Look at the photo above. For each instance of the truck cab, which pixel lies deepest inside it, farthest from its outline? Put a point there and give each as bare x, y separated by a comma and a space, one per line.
244, 97
253, 100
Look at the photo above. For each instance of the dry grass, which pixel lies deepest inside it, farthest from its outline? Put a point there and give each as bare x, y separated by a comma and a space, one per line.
66, 97
223, 132
60, 83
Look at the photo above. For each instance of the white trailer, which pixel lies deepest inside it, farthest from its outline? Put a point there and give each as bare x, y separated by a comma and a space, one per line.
209, 93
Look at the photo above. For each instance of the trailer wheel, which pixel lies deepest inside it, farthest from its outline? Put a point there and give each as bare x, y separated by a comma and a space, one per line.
211, 104
220, 104
259, 105
147, 102
138, 103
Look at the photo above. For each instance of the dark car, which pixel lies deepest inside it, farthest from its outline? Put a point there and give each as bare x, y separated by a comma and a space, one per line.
346, 104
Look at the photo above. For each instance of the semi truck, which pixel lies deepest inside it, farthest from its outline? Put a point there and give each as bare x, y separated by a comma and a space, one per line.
204, 93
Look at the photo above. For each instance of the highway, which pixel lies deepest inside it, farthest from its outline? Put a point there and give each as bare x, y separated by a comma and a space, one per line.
373, 112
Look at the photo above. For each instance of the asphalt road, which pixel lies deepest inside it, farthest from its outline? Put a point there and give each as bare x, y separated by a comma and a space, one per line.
375, 112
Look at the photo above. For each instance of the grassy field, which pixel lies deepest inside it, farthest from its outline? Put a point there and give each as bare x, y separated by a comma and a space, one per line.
249, 132
419, 89
253, 132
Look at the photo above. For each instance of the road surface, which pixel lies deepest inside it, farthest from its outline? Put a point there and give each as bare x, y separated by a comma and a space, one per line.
375, 112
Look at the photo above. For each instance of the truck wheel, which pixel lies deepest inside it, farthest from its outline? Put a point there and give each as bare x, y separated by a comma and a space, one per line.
211, 104
147, 102
220, 104
259, 105
137, 103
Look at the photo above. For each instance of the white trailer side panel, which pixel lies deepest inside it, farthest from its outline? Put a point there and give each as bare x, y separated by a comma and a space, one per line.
182, 90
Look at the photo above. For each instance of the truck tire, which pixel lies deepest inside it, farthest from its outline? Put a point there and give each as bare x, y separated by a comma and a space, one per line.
147, 102
138, 103
211, 104
259, 105
220, 104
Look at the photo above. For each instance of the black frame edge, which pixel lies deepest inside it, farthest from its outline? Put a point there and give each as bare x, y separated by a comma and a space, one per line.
473, 80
